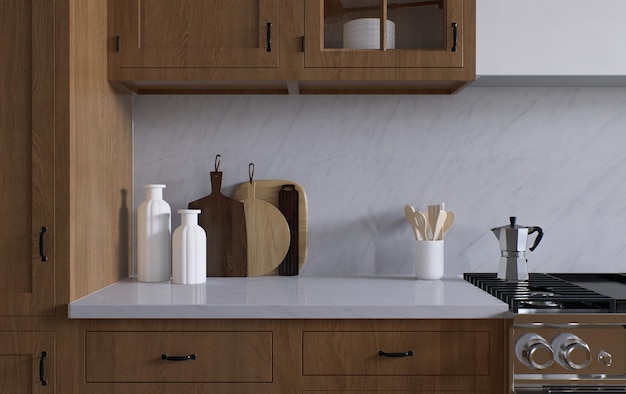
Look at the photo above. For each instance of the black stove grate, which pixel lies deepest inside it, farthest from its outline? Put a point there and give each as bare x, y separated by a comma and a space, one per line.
543, 293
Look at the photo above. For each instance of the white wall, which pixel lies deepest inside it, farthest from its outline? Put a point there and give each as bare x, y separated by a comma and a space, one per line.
554, 157
555, 37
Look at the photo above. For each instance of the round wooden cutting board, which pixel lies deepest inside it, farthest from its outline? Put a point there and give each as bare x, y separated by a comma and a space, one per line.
267, 234
268, 190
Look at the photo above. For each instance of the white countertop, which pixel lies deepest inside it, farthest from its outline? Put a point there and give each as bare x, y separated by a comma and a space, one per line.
296, 297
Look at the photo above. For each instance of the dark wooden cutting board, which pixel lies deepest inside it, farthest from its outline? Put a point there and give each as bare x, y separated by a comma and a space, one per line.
224, 221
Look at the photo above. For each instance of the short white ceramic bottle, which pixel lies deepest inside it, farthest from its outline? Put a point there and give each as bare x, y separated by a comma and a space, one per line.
154, 236
189, 250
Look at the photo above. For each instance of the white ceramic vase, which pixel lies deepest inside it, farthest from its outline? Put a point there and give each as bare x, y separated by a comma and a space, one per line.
189, 250
154, 237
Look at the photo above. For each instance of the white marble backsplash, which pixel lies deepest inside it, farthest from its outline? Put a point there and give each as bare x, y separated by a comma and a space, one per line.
553, 157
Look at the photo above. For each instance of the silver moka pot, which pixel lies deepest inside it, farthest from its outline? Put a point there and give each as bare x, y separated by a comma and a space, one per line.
513, 240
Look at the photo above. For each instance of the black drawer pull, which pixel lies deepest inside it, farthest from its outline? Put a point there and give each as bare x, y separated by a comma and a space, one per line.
406, 354
43, 256
178, 358
269, 36
42, 378
454, 35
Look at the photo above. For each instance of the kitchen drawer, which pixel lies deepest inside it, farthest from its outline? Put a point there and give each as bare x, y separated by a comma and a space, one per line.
130, 356
447, 353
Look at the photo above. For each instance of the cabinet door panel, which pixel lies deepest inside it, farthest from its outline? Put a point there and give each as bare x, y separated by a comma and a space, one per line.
217, 357
357, 353
422, 33
27, 158
198, 33
15, 374
21, 362
389, 392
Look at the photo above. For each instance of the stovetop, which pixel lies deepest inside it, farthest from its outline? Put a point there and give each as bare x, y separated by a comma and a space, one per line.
557, 293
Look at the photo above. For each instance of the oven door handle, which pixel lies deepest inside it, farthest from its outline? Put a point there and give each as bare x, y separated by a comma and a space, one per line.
572, 390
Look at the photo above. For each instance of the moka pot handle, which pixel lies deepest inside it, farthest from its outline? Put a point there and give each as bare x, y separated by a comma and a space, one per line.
535, 229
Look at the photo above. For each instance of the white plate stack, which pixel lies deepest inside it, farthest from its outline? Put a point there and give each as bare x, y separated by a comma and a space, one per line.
364, 33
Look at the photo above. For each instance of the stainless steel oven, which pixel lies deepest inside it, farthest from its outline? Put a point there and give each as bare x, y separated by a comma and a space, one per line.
568, 333
562, 353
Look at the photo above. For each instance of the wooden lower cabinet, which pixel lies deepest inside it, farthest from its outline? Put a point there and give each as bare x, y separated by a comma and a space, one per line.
178, 356
293, 356
27, 362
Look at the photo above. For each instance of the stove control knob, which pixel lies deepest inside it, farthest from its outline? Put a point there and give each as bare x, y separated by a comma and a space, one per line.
571, 351
605, 358
534, 351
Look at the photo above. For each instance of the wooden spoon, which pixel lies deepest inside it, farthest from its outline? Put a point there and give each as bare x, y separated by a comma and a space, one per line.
448, 223
422, 225
409, 213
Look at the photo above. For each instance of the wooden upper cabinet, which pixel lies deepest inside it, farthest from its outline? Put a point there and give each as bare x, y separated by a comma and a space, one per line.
198, 33
326, 46
415, 33
27, 158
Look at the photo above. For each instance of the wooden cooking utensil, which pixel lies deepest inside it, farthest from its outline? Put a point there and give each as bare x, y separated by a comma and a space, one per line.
422, 225
223, 220
438, 230
267, 233
433, 212
409, 213
448, 223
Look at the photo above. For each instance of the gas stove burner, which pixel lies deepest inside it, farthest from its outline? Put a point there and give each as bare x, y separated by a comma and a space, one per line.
541, 304
540, 293
547, 293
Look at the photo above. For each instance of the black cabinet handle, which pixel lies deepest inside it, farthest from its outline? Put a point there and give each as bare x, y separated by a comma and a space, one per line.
178, 358
454, 35
42, 368
269, 36
406, 354
43, 256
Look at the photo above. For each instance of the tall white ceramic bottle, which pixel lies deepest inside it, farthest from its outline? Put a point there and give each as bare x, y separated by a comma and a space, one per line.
189, 250
154, 236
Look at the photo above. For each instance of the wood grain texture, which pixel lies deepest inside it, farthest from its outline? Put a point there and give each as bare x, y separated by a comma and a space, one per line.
288, 206
356, 353
316, 55
227, 357
289, 356
27, 158
100, 152
267, 190
267, 234
238, 336
198, 33
20, 353
375, 73
391, 374
224, 221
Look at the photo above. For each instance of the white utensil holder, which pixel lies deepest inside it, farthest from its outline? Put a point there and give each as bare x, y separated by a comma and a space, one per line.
429, 259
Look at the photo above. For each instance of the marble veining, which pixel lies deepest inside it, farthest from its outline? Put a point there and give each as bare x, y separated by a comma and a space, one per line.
553, 157
304, 297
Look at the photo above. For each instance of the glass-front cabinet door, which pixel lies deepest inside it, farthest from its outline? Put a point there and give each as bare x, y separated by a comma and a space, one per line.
384, 33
